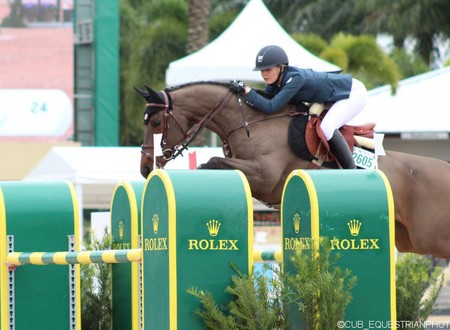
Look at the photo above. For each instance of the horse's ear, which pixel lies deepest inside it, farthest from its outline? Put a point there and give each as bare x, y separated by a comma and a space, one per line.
141, 92
153, 93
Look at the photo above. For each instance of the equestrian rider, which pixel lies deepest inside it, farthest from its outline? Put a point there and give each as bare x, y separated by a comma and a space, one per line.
288, 84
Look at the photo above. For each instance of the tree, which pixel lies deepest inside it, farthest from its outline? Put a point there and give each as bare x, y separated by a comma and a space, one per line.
222, 14
198, 24
422, 20
198, 38
322, 17
152, 34
15, 18
155, 33
360, 56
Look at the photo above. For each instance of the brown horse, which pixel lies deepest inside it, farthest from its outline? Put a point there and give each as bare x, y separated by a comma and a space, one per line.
257, 144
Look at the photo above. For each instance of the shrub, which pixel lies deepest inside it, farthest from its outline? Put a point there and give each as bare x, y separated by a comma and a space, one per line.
258, 301
254, 306
312, 42
317, 274
418, 286
96, 303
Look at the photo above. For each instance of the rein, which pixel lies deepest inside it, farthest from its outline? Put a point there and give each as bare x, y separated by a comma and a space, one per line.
194, 131
226, 145
190, 135
246, 124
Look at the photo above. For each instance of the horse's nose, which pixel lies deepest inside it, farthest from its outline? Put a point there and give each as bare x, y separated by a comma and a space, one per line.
167, 154
145, 171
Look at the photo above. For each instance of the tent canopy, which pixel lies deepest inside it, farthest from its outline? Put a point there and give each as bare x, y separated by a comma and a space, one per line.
420, 105
232, 55
94, 171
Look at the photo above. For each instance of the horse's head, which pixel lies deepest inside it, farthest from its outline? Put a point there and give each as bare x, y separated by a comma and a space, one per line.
157, 119
181, 112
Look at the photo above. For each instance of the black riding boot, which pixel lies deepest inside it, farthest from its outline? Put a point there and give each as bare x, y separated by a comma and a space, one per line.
341, 150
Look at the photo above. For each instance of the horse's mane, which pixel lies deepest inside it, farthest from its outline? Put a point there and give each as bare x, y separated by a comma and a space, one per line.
217, 83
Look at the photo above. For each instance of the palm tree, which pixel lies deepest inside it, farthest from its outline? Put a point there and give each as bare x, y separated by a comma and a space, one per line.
198, 24
197, 38
153, 34
322, 17
422, 20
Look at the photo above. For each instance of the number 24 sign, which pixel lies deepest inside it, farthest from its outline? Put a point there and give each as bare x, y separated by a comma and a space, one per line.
34, 112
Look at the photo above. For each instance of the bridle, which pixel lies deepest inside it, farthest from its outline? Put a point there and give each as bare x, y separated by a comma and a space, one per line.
169, 153
187, 137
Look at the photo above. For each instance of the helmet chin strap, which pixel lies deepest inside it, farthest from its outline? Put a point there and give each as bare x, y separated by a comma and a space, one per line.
279, 75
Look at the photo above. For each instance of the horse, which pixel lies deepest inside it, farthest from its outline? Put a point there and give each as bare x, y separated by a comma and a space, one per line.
257, 144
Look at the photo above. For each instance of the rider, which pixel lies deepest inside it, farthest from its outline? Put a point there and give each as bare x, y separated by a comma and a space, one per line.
290, 84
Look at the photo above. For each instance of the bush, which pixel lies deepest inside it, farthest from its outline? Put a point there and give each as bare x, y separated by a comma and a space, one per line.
312, 42
13, 22
315, 275
258, 301
418, 286
255, 306
96, 303
336, 56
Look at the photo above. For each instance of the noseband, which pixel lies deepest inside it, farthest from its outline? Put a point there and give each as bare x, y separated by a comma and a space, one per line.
187, 137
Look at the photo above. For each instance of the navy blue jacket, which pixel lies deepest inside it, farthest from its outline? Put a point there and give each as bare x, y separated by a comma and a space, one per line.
302, 85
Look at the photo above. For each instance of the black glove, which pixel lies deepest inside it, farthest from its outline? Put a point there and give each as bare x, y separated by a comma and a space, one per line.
237, 87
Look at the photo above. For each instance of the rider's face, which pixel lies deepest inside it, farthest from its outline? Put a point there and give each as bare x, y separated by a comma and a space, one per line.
270, 75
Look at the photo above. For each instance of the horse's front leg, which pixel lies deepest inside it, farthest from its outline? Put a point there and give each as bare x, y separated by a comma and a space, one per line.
252, 170
248, 167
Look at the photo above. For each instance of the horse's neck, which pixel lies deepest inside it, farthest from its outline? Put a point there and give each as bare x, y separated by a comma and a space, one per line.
198, 103
209, 105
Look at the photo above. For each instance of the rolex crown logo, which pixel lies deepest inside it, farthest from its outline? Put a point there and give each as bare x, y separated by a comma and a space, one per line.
296, 219
121, 228
213, 227
155, 220
354, 226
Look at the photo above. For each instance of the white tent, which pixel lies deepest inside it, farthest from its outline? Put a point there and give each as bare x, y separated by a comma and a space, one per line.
420, 105
232, 55
95, 171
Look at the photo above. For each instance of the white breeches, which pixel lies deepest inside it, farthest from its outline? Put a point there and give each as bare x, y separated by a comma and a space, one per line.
344, 110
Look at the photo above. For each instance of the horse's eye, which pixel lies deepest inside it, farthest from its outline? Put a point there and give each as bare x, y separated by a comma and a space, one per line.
155, 123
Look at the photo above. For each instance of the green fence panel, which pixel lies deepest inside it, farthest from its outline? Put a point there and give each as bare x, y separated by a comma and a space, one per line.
35, 217
125, 230
195, 224
355, 210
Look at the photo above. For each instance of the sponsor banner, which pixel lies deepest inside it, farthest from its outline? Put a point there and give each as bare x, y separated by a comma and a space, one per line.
354, 209
192, 221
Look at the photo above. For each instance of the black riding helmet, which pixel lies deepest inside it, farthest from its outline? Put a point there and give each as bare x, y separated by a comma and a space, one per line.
269, 57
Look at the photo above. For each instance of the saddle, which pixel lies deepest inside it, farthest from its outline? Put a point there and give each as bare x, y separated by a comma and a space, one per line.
307, 141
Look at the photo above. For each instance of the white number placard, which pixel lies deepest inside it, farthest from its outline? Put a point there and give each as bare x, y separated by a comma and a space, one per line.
364, 158
34, 112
